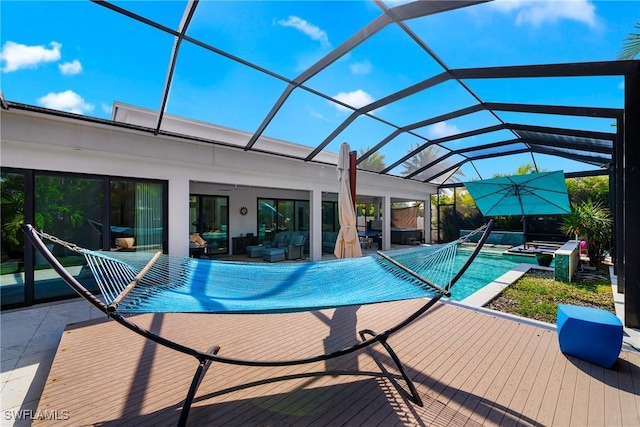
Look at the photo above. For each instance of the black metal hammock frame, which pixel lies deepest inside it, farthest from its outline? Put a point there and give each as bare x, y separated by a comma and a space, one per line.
368, 336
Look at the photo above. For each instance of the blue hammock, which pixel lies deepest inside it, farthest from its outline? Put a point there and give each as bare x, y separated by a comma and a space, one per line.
139, 282
190, 285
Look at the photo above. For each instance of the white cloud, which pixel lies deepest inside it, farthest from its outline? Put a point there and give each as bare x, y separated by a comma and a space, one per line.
17, 56
442, 129
106, 108
313, 31
316, 114
363, 67
70, 68
538, 12
66, 101
357, 98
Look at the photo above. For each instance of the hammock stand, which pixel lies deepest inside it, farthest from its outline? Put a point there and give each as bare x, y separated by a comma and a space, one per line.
205, 358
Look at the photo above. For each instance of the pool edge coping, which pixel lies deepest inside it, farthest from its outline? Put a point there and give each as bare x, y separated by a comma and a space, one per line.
489, 292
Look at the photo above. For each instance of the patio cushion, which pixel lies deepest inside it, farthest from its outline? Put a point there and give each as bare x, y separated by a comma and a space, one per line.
254, 251
197, 239
298, 239
273, 254
329, 241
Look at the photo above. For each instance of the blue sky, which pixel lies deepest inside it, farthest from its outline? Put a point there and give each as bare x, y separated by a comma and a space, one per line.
80, 57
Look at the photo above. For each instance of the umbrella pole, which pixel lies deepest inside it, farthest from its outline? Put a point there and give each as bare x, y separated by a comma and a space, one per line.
352, 176
524, 230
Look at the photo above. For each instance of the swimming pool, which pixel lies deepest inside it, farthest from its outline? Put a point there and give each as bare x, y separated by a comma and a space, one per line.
487, 267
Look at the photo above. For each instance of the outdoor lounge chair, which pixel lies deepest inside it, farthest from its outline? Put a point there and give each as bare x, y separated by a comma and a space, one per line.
136, 282
279, 241
295, 248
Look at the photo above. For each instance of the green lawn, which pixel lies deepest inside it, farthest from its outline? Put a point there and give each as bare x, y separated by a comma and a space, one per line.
537, 295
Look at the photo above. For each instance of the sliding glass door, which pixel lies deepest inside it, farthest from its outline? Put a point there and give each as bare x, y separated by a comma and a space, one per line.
93, 212
12, 273
137, 218
63, 206
276, 215
209, 217
330, 220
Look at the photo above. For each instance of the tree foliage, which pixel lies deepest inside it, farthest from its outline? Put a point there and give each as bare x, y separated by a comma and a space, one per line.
523, 169
62, 205
465, 216
595, 188
631, 47
374, 162
592, 222
425, 157
12, 192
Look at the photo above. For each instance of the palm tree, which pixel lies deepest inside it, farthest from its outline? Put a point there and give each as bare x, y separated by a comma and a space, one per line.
592, 222
523, 169
631, 47
374, 162
425, 157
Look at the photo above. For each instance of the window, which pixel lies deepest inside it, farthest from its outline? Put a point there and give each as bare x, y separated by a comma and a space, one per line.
285, 219
209, 217
94, 212
12, 277
63, 206
136, 216
302, 215
267, 219
276, 215
330, 220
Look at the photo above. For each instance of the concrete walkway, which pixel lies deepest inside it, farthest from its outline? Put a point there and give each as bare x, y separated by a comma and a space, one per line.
29, 340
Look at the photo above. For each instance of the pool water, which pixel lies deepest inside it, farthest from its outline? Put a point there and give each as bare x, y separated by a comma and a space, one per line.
487, 267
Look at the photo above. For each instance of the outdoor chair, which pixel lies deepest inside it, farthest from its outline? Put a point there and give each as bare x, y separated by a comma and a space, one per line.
295, 250
279, 241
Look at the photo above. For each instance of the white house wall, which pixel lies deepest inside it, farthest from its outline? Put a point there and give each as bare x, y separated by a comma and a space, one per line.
34, 140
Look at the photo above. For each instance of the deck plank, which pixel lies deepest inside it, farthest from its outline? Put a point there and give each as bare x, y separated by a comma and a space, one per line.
530, 367
541, 380
567, 393
612, 407
580, 406
595, 408
552, 391
464, 399
633, 360
493, 388
628, 395
470, 368
513, 383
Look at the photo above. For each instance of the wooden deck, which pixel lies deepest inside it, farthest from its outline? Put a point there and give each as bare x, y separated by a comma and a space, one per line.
470, 369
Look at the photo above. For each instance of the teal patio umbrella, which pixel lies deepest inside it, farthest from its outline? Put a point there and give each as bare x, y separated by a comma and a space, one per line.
543, 193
